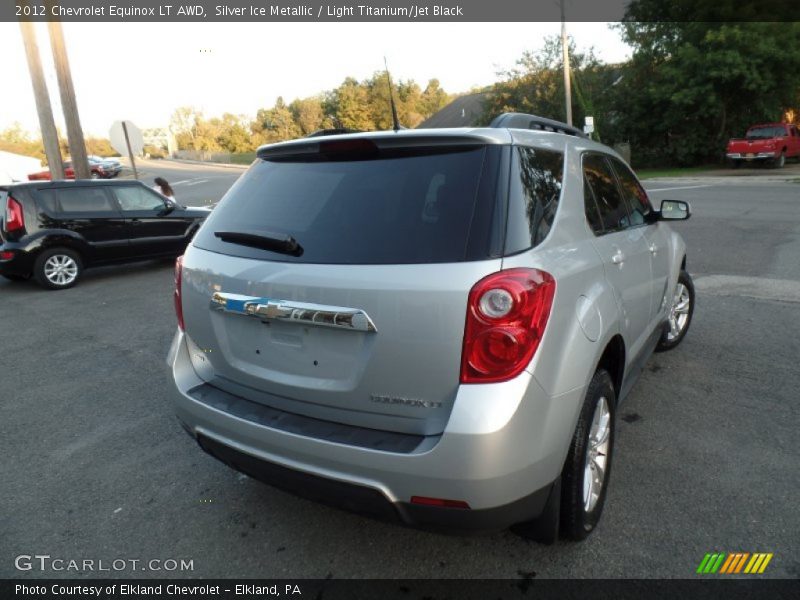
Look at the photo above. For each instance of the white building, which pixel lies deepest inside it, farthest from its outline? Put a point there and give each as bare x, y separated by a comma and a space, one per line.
16, 167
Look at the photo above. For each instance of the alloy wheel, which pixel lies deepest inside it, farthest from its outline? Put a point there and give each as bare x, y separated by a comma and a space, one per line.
60, 269
594, 472
678, 312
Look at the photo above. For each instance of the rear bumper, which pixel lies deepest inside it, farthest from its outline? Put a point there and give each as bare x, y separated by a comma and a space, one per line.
502, 467
22, 262
369, 501
750, 155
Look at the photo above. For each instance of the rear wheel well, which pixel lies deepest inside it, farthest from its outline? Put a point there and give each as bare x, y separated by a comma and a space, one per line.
613, 361
68, 244
683, 263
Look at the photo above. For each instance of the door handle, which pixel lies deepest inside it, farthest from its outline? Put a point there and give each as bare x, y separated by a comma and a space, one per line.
653, 249
618, 258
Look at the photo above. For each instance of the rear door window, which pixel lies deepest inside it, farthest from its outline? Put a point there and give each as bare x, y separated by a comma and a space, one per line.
399, 206
535, 191
611, 207
632, 190
75, 199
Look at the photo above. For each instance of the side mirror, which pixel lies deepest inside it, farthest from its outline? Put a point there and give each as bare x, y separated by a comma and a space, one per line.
168, 208
675, 210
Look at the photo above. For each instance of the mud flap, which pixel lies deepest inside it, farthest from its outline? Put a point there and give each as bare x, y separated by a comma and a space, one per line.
544, 528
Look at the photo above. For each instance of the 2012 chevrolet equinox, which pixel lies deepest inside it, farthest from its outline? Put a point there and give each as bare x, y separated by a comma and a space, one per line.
435, 326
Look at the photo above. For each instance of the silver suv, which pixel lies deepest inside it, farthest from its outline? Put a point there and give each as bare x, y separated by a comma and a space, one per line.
434, 326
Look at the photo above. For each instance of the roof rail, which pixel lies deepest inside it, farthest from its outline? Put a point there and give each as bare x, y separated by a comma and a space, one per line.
523, 121
333, 131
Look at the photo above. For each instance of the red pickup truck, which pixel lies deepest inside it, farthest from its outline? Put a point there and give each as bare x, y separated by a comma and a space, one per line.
97, 172
774, 142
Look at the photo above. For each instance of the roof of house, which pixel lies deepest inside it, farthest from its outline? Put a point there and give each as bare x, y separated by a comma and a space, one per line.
464, 111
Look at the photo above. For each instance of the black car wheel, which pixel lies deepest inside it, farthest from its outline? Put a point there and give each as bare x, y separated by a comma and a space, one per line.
584, 481
58, 268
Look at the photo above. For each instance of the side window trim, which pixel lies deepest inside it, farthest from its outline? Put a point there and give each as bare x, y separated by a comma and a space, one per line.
593, 200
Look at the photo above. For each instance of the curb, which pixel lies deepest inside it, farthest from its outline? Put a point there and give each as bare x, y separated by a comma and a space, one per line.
202, 162
722, 180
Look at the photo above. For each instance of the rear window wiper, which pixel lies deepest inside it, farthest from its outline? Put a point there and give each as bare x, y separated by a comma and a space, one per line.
275, 242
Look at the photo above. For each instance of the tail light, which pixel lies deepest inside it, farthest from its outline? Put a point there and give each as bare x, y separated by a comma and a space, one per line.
177, 294
506, 316
15, 219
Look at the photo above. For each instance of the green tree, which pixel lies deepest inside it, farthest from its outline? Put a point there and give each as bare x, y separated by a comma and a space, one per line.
183, 124
15, 139
234, 134
277, 123
308, 114
691, 85
349, 107
433, 98
536, 85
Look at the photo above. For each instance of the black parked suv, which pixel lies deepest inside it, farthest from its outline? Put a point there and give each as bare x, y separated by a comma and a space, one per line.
54, 230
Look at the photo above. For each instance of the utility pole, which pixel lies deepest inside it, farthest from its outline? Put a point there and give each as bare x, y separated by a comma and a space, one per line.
46, 123
565, 58
77, 145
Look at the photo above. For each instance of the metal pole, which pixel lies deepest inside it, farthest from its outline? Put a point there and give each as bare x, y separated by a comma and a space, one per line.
46, 123
130, 152
565, 57
77, 145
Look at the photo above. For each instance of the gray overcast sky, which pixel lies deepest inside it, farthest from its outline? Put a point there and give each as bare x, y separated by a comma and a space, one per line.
142, 72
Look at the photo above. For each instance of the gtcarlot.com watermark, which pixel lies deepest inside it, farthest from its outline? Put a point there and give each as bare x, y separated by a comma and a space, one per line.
45, 562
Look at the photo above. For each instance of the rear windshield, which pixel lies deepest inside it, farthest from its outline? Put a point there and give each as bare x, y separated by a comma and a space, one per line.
397, 207
765, 133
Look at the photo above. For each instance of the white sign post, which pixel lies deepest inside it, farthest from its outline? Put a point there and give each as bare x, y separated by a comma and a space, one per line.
588, 127
126, 138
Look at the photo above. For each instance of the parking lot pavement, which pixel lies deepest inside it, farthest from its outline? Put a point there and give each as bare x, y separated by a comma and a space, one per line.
97, 467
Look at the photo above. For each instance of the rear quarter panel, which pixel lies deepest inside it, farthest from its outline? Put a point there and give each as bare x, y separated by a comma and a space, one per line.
584, 315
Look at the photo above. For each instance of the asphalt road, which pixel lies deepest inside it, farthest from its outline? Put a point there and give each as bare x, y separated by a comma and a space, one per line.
95, 466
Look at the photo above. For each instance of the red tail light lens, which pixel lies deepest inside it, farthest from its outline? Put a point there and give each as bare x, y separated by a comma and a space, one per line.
15, 219
440, 502
506, 316
177, 294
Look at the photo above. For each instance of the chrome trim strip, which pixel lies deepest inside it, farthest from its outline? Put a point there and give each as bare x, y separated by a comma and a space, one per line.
302, 313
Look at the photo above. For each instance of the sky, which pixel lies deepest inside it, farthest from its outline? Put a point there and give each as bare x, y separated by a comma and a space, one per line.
142, 72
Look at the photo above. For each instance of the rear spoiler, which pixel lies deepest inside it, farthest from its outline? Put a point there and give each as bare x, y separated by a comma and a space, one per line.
324, 146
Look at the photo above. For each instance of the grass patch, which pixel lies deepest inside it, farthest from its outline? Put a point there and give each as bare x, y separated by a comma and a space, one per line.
675, 171
243, 158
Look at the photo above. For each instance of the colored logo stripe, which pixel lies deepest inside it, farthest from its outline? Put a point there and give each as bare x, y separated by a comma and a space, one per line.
734, 563
711, 563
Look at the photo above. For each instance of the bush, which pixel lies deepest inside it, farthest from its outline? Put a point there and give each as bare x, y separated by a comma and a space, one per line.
154, 152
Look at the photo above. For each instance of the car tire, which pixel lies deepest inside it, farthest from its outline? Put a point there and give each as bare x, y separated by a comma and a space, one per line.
679, 313
780, 161
58, 268
11, 277
584, 480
